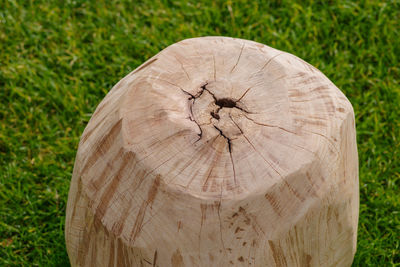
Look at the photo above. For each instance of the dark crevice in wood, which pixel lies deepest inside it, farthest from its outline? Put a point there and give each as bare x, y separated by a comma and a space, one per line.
225, 103
214, 115
240, 129
227, 138
191, 117
272, 126
243, 95
220, 102
240, 55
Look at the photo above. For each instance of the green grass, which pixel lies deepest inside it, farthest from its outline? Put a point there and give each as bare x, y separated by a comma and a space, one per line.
58, 59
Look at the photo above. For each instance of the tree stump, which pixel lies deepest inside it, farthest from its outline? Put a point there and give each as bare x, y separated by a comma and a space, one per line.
217, 152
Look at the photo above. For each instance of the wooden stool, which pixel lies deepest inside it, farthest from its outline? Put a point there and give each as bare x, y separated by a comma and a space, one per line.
217, 152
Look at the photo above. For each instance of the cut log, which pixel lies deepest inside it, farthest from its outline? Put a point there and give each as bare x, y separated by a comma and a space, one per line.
217, 152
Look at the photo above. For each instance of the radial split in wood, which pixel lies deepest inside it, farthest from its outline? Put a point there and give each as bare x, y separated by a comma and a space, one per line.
217, 152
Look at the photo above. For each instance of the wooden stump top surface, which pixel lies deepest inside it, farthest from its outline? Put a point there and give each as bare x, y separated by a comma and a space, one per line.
219, 117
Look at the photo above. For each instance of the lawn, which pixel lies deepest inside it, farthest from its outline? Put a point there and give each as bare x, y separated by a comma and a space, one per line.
58, 59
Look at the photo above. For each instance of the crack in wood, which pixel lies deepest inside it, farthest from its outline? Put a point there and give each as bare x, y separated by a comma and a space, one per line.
224, 136
220, 102
240, 55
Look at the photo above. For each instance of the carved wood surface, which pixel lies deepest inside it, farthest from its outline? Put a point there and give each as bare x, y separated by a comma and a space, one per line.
217, 152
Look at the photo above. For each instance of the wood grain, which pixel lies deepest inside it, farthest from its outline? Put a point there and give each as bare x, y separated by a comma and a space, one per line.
217, 152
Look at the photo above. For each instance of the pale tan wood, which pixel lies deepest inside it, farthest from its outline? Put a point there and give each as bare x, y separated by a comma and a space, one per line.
217, 152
